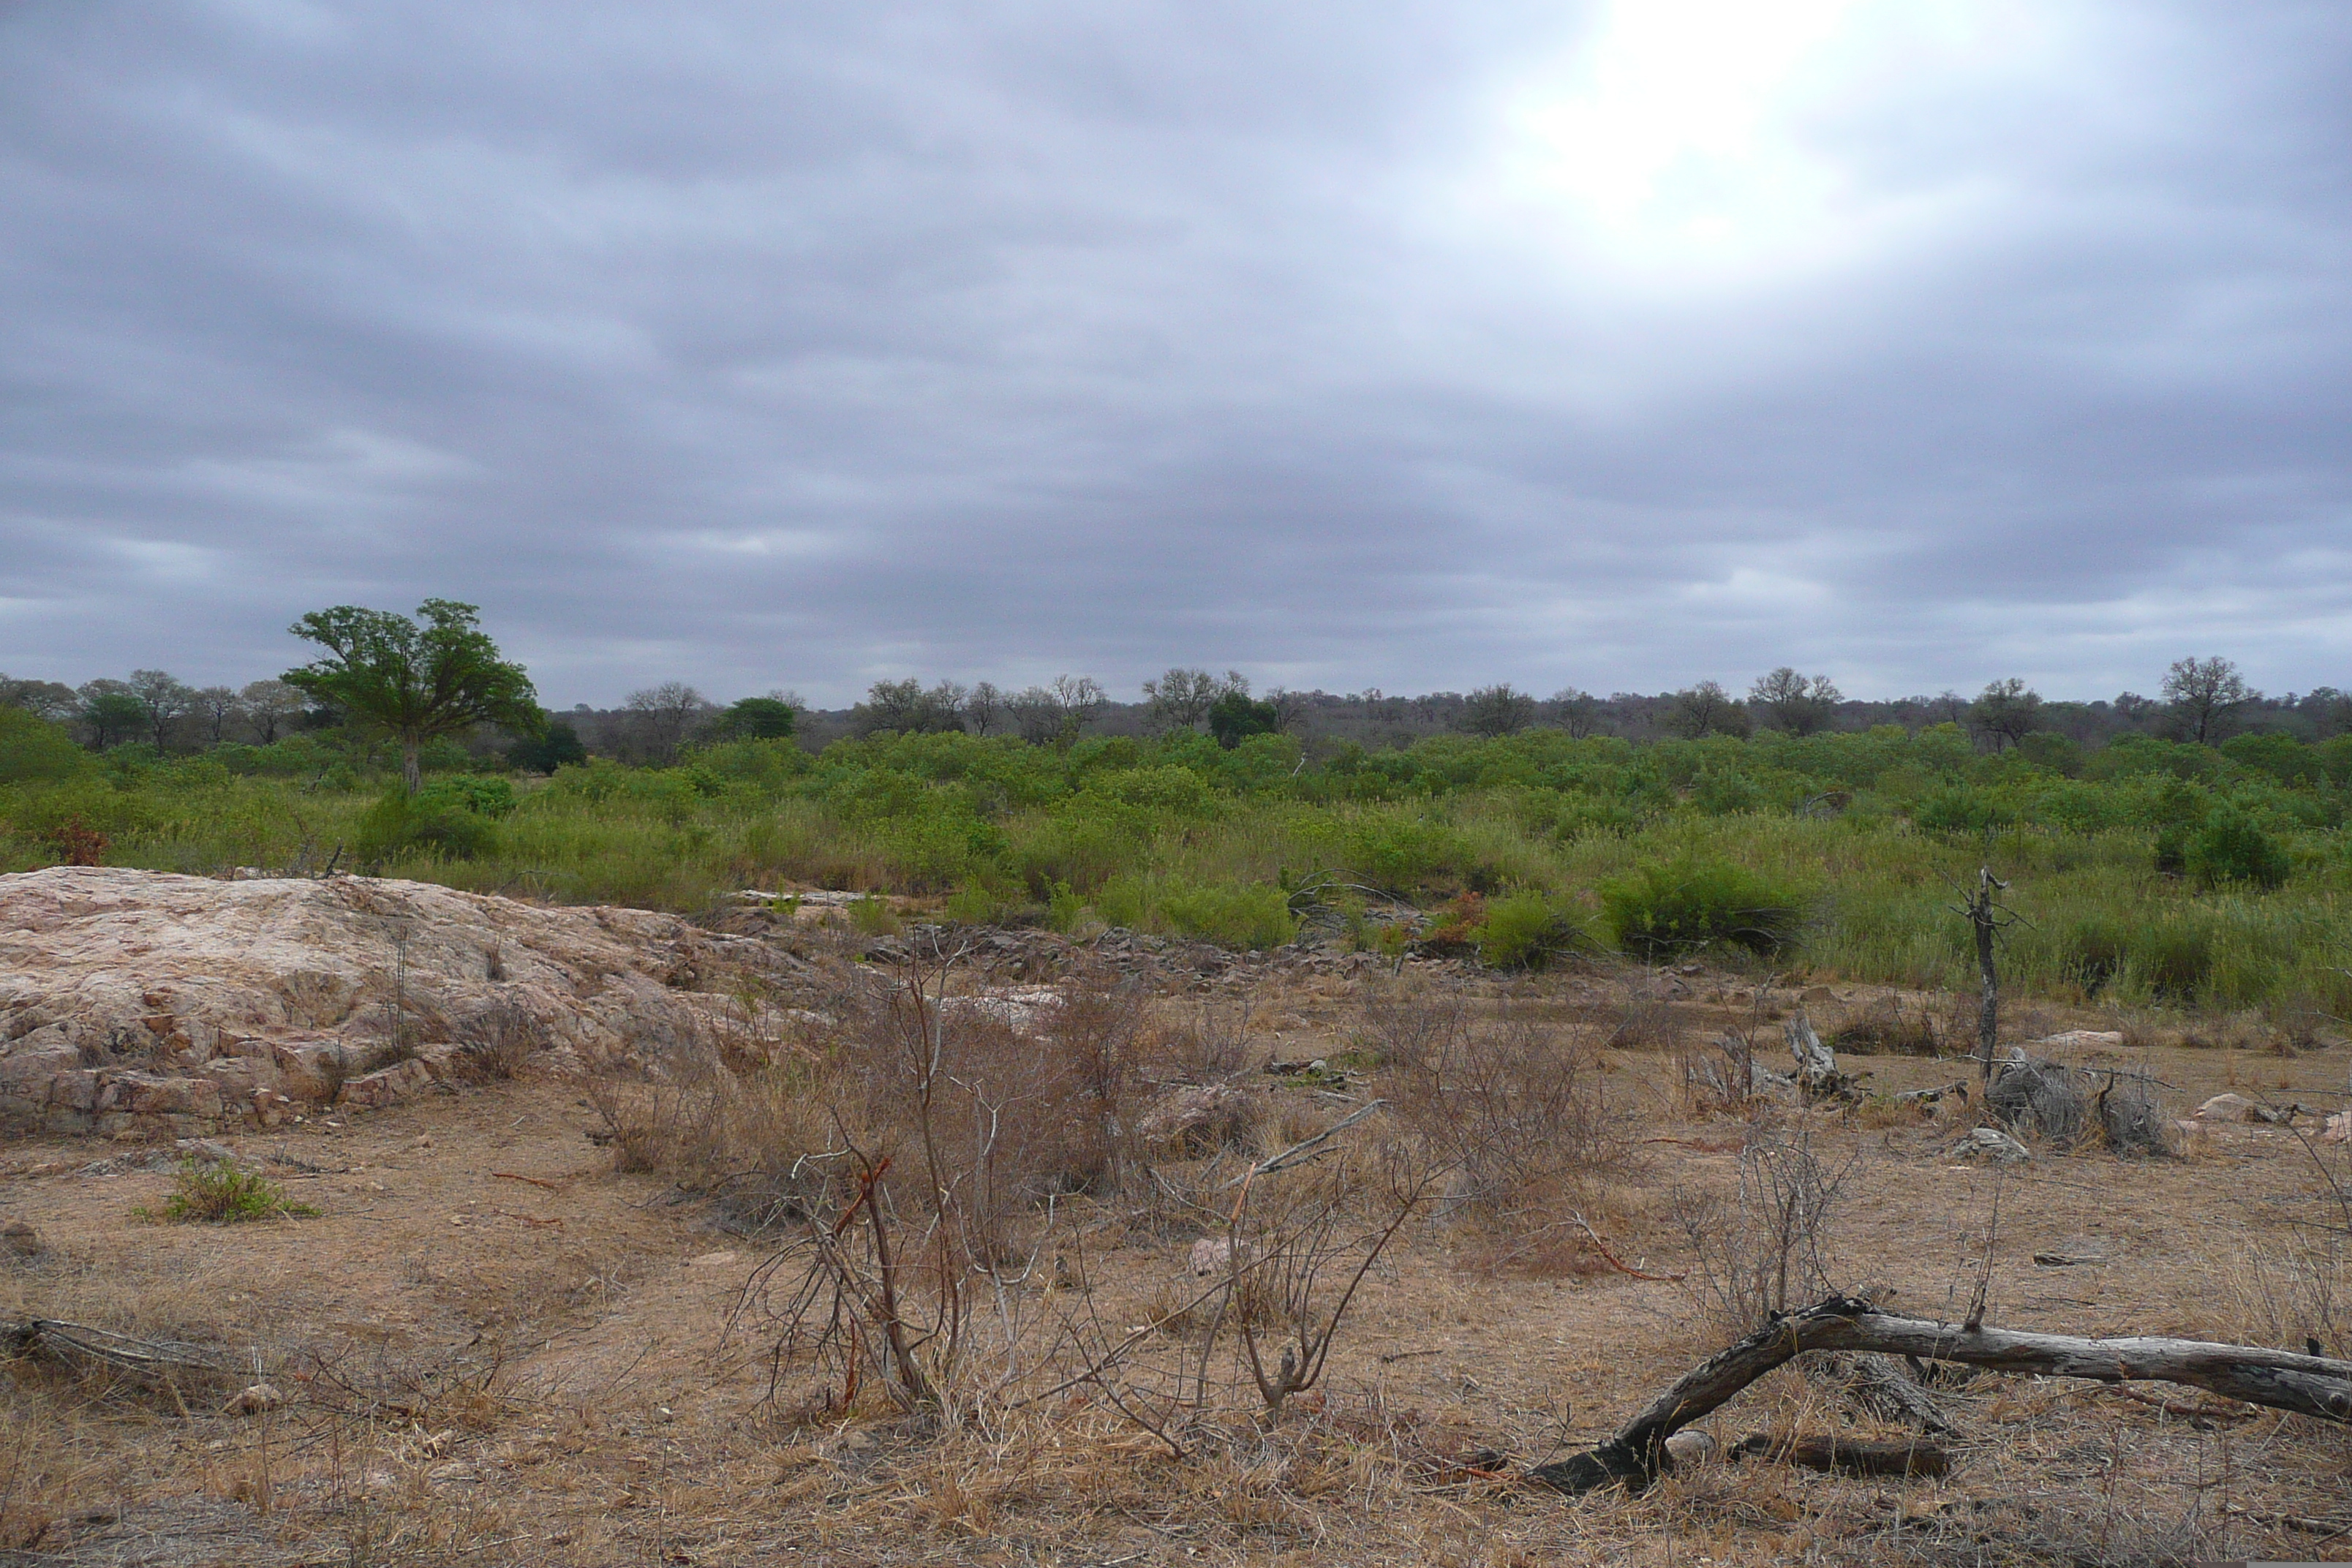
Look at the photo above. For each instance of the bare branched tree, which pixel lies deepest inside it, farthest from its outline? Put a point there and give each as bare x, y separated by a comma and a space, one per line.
270, 708
163, 700
1706, 709
1577, 711
49, 699
983, 705
1494, 712
667, 714
217, 706
1180, 699
1799, 704
907, 707
2204, 695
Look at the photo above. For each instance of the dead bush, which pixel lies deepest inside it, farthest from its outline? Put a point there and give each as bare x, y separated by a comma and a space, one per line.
1770, 1247
1515, 1106
1895, 1026
499, 1040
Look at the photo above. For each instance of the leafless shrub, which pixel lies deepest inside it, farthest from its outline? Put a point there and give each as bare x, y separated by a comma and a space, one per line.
1512, 1107
1642, 1017
1768, 1248
499, 1040
1894, 1025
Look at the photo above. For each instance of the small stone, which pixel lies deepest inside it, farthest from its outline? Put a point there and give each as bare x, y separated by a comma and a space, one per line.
22, 1240
259, 1399
1688, 1447
1213, 1255
1992, 1143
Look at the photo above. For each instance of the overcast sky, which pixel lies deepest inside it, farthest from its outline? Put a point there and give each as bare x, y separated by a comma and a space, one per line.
1416, 345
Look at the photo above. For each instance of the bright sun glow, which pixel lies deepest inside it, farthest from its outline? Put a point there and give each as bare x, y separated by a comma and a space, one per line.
1683, 138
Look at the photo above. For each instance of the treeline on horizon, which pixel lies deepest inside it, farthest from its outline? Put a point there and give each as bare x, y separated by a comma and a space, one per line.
2201, 699
2190, 850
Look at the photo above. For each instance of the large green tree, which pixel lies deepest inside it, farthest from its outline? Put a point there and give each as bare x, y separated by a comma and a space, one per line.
413, 681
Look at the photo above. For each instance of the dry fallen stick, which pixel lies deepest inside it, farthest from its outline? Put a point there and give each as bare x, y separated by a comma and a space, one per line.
534, 1181
80, 1342
1601, 1247
2303, 1385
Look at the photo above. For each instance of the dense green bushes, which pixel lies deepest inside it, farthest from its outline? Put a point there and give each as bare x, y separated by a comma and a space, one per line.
2150, 870
1687, 904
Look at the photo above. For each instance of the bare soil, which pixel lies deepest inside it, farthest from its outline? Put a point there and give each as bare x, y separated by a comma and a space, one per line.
496, 1348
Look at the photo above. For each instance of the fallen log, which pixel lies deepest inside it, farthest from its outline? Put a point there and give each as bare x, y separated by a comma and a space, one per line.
2311, 1385
1850, 1456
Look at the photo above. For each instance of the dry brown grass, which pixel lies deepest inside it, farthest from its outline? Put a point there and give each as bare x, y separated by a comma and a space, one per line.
488, 1370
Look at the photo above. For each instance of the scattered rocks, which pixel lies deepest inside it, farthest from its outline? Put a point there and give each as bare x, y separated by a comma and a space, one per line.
259, 1399
2338, 1129
1213, 1255
1198, 1116
1991, 1143
2084, 1040
1687, 1449
142, 1002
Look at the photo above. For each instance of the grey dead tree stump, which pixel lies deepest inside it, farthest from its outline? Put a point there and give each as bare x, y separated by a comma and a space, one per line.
1989, 917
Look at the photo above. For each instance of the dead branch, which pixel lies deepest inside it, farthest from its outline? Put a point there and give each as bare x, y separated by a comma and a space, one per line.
1610, 1258
2303, 1385
1850, 1456
80, 1344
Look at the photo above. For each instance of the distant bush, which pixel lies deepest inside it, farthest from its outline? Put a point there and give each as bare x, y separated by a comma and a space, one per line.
1524, 930
34, 750
2233, 848
439, 822
1665, 911
1255, 916
544, 753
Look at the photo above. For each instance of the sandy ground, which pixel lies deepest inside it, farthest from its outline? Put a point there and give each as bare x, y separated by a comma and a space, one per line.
497, 1348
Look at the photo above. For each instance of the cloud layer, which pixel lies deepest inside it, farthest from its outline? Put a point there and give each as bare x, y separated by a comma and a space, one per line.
1410, 345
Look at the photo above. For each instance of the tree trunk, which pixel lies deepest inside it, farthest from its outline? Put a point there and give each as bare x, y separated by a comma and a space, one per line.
1982, 916
2305, 1384
412, 771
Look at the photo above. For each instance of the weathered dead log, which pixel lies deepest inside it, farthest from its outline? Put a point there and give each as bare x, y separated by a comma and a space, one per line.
81, 1345
2311, 1385
1851, 1456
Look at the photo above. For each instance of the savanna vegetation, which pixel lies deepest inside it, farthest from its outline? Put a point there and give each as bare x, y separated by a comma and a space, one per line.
2148, 870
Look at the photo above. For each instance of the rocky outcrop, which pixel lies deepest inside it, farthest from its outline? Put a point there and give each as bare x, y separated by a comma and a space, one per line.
137, 1000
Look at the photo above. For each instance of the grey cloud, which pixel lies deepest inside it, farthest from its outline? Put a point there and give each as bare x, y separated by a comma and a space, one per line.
768, 345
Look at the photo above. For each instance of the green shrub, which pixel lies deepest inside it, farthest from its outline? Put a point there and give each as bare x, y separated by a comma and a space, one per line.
873, 916
1665, 911
438, 825
33, 750
1252, 917
1523, 931
2233, 848
221, 1194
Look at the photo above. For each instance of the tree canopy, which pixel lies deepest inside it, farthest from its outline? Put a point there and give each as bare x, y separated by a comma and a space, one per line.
413, 682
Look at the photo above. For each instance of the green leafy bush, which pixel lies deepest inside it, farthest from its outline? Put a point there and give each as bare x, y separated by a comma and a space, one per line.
224, 1194
1665, 911
1524, 930
441, 825
2233, 848
33, 750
